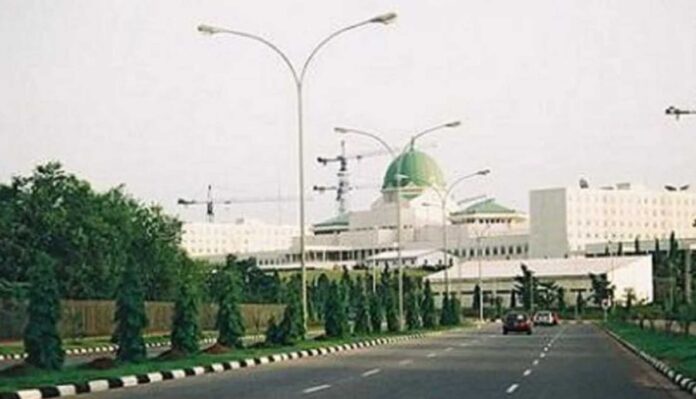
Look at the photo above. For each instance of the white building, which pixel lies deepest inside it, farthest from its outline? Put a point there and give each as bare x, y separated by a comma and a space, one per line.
497, 277
565, 221
241, 237
485, 229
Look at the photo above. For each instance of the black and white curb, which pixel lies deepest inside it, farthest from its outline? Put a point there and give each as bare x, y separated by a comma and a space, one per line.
682, 381
99, 349
133, 380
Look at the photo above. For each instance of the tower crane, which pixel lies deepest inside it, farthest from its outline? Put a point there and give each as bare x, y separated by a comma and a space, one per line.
210, 203
344, 187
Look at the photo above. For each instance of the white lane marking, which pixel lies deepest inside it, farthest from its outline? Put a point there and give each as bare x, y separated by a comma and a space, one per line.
512, 388
546, 349
431, 354
316, 388
535, 362
527, 372
543, 355
448, 349
371, 372
405, 362
463, 344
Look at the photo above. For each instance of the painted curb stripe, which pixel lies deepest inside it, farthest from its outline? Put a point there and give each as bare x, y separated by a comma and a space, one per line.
141, 379
678, 379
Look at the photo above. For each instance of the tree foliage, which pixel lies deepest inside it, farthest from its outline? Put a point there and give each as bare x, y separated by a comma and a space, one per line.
89, 236
185, 328
130, 316
362, 310
428, 307
41, 340
335, 317
229, 321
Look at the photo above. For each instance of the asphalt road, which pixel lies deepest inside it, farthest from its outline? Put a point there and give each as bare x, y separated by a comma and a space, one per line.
571, 361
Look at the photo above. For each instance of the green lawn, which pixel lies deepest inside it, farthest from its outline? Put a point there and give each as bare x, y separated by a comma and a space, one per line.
677, 350
79, 374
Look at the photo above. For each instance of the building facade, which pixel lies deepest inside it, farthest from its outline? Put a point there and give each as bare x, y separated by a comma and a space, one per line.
241, 237
566, 221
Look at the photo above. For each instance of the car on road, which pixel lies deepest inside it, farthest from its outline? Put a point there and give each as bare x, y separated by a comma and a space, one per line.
517, 322
545, 318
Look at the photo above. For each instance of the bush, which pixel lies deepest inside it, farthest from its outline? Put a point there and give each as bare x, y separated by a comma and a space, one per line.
428, 307
229, 318
185, 329
335, 317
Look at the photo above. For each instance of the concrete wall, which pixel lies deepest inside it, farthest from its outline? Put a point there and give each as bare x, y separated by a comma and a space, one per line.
548, 236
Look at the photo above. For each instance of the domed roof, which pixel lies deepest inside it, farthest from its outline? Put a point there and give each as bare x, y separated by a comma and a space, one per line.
417, 170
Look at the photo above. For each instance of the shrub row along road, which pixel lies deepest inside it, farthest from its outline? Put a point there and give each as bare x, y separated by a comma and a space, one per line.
571, 361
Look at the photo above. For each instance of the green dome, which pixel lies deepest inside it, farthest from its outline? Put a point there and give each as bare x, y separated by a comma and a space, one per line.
420, 171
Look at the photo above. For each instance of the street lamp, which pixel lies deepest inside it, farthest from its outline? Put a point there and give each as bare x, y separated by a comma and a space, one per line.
399, 177
444, 196
677, 112
298, 77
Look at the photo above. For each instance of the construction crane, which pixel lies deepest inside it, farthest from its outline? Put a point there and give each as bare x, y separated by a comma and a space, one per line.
344, 187
210, 203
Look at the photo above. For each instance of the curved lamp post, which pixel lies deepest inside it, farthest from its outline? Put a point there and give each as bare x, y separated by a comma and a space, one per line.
678, 112
399, 177
444, 196
298, 77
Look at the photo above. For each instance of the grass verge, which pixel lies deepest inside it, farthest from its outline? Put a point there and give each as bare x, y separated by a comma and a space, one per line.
16, 347
678, 350
80, 373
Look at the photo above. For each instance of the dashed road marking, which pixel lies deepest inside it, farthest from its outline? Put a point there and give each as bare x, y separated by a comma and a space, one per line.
405, 362
316, 388
546, 349
371, 372
543, 355
527, 372
535, 362
512, 388
431, 354
448, 349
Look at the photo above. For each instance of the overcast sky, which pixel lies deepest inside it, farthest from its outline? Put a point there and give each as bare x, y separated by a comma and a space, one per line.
547, 92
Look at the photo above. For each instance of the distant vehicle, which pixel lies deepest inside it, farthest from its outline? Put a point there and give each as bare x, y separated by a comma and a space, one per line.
517, 322
545, 318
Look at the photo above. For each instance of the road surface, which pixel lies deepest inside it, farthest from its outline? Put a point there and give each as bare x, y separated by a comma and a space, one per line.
570, 361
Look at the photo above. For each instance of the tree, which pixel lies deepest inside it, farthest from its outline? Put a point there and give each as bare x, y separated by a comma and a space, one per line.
455, 310
185, 328
601, 288
362, 310
579, 303
376, 313
335, 318
229, 321
476, 298
547, 294
41, 340
292, 327
388, 295
526, 287
513, 299
413, 321
445, 311
130, 316
428, 306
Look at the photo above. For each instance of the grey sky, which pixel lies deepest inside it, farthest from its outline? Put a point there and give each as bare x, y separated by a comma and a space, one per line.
548, 91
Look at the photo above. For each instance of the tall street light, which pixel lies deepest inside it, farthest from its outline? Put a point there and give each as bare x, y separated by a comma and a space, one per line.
678, 112
399, 177
298, 77
444, 196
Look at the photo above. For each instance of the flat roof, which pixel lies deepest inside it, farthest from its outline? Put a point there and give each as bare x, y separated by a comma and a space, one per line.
540, 267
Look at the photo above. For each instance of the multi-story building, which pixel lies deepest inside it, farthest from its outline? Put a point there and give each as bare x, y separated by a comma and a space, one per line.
566, 221
241, 237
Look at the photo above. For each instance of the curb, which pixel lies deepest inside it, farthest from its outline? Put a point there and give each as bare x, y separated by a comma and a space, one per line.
685, 383
99, 349
100, 385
